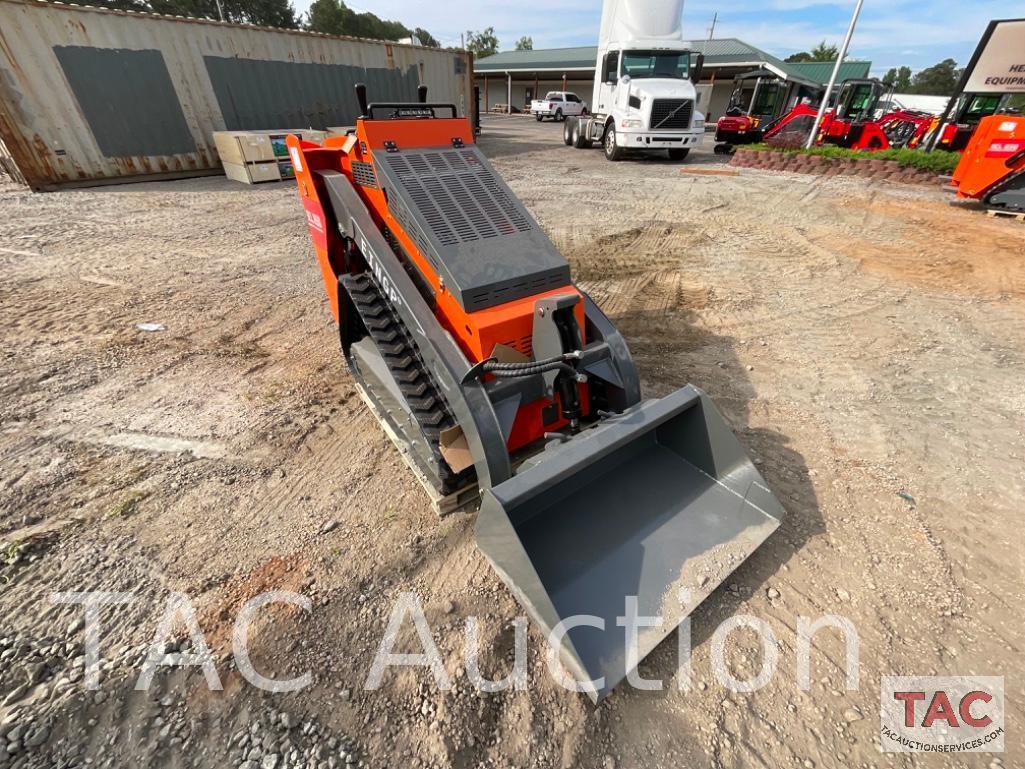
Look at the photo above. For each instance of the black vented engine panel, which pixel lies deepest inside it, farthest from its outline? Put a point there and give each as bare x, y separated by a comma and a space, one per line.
671, 114
469, 225
363, 174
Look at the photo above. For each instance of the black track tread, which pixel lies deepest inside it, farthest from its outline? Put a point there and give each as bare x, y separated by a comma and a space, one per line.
414, 380
1012, 181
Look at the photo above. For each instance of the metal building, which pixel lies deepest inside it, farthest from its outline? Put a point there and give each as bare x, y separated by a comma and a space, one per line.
91, 95
525, 75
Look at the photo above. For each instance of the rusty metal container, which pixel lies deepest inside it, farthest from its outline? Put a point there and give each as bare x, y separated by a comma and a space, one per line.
91, 95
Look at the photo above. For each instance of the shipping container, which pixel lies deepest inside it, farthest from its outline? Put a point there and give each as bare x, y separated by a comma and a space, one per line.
92, 95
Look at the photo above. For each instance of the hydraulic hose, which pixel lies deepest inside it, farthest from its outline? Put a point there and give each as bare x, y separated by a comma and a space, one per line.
530, 368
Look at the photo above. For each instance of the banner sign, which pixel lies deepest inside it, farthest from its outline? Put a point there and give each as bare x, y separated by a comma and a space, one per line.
999, 64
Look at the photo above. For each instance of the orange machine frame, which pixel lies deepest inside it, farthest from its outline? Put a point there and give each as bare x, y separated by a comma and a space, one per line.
477, 333
984, 163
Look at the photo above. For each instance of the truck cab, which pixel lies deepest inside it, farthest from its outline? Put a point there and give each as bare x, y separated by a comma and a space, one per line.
645, 100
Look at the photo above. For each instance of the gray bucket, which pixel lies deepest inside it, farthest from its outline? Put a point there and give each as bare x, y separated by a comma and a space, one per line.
660, 503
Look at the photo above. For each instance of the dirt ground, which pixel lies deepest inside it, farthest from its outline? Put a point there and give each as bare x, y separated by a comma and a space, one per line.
865, 340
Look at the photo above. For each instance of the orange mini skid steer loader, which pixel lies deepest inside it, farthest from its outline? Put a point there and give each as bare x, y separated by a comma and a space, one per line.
992, 169
497, 376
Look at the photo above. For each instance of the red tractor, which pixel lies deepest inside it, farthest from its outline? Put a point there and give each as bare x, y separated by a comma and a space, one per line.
851, 121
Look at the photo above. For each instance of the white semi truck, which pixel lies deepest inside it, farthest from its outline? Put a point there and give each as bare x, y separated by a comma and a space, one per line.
644, 97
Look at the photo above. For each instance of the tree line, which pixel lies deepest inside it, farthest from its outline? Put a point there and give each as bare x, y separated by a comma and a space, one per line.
331, 17
938, 80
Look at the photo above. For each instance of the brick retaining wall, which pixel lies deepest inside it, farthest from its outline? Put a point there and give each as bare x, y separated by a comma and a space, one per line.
869, 167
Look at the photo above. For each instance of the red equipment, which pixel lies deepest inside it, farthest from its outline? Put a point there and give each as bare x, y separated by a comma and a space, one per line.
955, 134
851, 121
749, 110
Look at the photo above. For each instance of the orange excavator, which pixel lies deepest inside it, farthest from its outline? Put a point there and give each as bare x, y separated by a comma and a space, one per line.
992, 169
502, 382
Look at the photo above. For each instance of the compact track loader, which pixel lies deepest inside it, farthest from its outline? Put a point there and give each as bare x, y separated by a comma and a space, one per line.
992, 169
497, 376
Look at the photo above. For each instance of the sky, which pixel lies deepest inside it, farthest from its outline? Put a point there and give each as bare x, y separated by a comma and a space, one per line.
890, 33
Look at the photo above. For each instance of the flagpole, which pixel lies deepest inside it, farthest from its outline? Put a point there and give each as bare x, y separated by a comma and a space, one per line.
832, 78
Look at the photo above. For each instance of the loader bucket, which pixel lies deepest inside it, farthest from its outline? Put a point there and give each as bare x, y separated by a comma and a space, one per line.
659, 503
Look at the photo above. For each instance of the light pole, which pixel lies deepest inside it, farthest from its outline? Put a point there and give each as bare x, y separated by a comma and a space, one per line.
832, 78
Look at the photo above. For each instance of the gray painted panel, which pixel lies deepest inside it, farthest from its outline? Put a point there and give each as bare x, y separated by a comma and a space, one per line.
128, 100
652, 501
470, 225
257, 94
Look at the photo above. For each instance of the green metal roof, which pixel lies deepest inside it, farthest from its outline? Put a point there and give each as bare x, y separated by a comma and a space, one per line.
582, 57
721, 52
820, 71
726, 50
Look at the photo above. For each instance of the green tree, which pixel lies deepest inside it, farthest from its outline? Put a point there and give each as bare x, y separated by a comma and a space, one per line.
334, 17
426, 38
525, 43
821, 52
328, 16
937, 80
898, 78
266, 13
119, 5
483, 43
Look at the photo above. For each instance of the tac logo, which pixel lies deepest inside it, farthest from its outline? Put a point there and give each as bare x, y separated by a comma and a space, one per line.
942, 714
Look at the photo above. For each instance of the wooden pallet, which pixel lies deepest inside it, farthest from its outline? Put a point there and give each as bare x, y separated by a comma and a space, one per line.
1001, 213
466, 499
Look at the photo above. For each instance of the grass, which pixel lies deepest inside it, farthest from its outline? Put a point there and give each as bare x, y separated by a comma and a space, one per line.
128, 505
938, 162
9, 553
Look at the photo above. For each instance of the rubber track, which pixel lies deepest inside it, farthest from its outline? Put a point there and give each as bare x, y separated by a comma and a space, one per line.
406, 366
1011, 182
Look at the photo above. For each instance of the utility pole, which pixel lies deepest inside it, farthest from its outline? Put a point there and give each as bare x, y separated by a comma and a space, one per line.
220, 10
715, 18
832, 78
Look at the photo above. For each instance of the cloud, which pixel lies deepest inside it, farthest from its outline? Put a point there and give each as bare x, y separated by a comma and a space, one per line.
891, 34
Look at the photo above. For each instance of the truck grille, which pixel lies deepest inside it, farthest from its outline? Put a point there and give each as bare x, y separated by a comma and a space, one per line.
671, 114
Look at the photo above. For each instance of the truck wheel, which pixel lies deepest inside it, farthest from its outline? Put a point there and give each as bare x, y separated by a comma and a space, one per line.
679, 154
558, 115
584, 112
537, 117
581, 134
612, 150
568, 131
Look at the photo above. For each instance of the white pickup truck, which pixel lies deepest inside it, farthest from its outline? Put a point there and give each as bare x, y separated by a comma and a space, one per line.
558, 105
